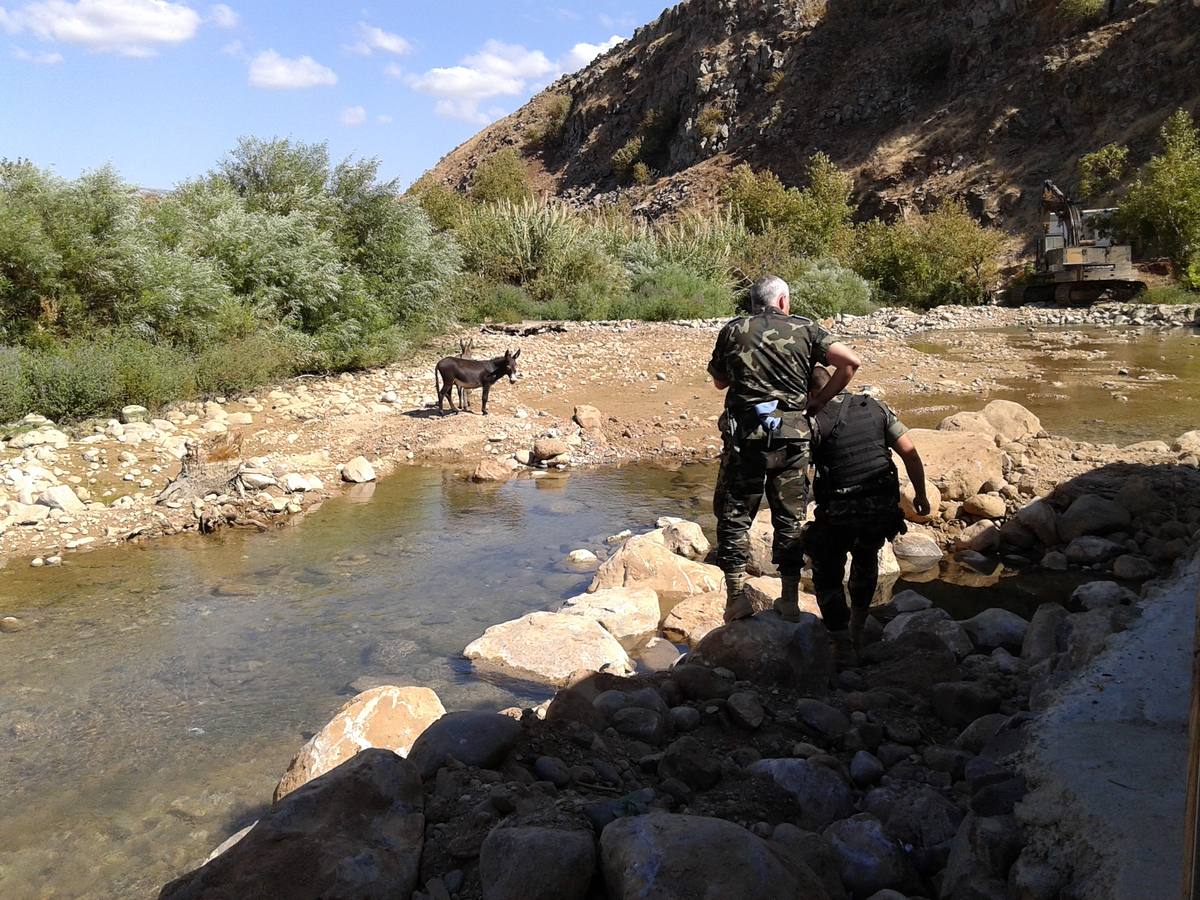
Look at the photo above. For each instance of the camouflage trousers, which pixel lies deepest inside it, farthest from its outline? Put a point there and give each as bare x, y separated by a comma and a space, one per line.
746, 474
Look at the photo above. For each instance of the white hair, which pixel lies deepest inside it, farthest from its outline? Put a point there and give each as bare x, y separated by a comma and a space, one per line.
767, 291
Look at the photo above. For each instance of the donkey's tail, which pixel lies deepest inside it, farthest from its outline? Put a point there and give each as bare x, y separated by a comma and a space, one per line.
437, 382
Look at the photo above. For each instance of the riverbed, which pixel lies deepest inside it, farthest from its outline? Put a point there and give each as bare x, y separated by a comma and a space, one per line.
158, 691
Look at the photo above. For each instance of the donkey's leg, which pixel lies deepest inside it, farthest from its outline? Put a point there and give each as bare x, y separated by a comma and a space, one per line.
486, 388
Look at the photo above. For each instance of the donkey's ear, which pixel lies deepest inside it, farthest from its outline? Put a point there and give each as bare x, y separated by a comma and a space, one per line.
518, 353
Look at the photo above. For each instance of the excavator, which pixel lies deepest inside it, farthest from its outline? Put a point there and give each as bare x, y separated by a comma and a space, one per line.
1077, 259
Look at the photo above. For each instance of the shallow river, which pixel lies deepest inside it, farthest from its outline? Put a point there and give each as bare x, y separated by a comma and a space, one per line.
1078, 385
159, 691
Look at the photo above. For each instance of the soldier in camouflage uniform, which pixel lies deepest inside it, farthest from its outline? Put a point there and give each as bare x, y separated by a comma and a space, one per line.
765, 361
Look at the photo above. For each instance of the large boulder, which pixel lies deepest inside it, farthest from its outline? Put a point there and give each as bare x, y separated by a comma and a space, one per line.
674, 857
61, 496
962, 460
630, 615
1041, 637
1040, 519
536, 863
916, 552
689, 621
1012, 421
931, 621
1188, 442
985, 506
647, 562
908, 496
981, 854
765, 648
975, 422
354, 833
996, 627
385, 717
822, 795
1090, 549
473, 737
358, 471
491, 469
588, 417
549, 647
1092, 514
869, 860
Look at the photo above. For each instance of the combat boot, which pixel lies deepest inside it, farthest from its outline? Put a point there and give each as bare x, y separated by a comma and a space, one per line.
788, 605
737, 604
858, 624
841, 644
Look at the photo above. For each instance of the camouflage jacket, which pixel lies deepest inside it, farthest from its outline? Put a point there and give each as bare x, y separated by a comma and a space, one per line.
768, 358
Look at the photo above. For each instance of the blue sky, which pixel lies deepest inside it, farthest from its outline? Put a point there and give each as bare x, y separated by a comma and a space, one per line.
161, 89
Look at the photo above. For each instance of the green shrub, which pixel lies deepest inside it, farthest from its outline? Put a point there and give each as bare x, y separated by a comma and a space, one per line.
515, 242
825, 288
1102, 170
626, 157
1162, 206
1163, 295
1078, 12
501, 177
641, 174
943, 257
237, 366
478, 299
709, 121
774, 81
444, 207
674, 292
15, 393
554, 111
817, 219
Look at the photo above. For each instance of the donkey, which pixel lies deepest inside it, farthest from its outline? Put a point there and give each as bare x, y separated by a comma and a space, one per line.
452, 372
465, 351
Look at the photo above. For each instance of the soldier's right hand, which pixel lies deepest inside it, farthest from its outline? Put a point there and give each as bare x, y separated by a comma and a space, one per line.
921, 505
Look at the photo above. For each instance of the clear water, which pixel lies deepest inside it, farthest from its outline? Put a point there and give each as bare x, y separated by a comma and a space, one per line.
160, 691
1073, 396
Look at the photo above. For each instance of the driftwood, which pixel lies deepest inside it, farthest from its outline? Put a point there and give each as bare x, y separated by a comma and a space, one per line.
207, 468
524, 329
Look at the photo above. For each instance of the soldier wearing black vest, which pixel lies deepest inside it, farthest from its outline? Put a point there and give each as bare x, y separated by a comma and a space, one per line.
857, 490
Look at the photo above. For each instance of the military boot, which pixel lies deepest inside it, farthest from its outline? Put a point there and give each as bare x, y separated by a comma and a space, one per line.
858, 624
788, 605
842, 646
737, 604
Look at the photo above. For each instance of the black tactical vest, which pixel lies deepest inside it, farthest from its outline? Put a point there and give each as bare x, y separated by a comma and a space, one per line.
850, 450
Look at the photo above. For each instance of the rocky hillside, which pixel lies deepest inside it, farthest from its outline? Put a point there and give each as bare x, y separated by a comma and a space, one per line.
979, 99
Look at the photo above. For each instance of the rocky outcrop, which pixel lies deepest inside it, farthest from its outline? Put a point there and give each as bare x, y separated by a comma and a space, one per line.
766, 649
631, 615
386, 717
961, 462
354, 833
689, 621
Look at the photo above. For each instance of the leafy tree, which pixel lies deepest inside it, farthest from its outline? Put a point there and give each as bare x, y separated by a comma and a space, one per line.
1162, 206
1102, 170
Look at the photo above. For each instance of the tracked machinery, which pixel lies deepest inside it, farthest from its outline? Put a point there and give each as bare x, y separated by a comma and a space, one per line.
1078, 261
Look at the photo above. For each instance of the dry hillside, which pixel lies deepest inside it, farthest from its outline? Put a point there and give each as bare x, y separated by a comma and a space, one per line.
979, 99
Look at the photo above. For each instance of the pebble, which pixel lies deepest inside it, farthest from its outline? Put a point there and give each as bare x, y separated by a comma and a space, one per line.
11, 625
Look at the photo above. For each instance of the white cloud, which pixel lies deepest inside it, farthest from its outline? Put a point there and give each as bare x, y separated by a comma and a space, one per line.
384, 119
39, 59
274, 72
223, 17
127, 27
372, 38
583, 53
234, 48
353, 116
497, 70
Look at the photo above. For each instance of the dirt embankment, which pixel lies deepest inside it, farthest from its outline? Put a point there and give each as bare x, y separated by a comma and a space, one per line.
61, 492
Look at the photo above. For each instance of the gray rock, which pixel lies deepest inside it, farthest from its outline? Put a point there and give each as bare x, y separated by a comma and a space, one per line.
931, 621
1128, 567
1055, 561
865, 769
996, 627
821, 719
534, 863
766, 649
674, 857
474, 738
981, 854
1092, 514
1040, 519
1090, 550
921, 817
1100, 594
974, 736
701, 682
689, 761
910, 601
822, 795
1041, 638
354, 833
745, 710
640, 724
685, 718
552, 769
962, 702
868, 859
1031, 878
